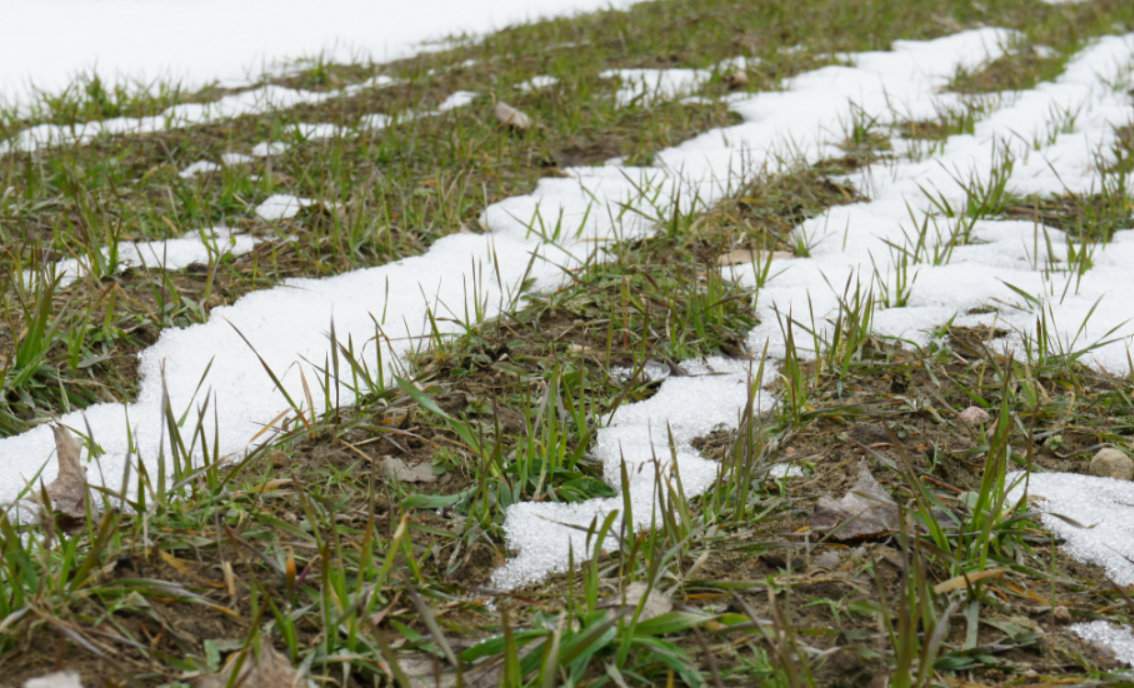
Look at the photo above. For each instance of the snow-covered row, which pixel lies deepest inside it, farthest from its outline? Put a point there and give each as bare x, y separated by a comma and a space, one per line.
197, 247
559, 225
253, 101
322, 131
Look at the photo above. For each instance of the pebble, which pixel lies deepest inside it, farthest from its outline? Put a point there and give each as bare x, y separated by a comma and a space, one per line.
1112, 463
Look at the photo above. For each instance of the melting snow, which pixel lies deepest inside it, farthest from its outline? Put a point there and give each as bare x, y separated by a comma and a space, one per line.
250, 102
171, 254
268, 149
281, 207
457, 100
199, 167
1101, 513
320, 131
713, 394
1118, 640
537, 83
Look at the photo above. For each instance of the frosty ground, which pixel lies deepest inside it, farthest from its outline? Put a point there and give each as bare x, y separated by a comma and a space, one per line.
775, 349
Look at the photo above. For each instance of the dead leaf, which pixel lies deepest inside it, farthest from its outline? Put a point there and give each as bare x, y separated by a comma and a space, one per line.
424, 671
266, 668
966, 579
657, 602
400, 470
60, 679
747, 256
867, 510
511, 117
68, 492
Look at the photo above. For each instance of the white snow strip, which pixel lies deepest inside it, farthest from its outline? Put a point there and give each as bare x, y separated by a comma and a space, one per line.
281, 207
44, 43
251, 102
287, 326
537, 83
170, 254
1118, 640
199, 167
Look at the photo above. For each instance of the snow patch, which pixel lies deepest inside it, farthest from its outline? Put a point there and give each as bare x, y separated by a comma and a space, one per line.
281, 207
458, 99
1118, 640
269, 149
198, 168
1100, 529
537, 83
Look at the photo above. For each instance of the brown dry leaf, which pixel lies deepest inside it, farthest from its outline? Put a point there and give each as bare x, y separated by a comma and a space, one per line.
966, 579
748, 256
264, 669
400, 470
59, 679
68, 492
511, 117
866, 510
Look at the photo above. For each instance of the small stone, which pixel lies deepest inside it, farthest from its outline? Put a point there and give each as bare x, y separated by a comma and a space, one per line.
1112, 463
974, 415
828, 560
1061, 615
737, 78
511, 117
